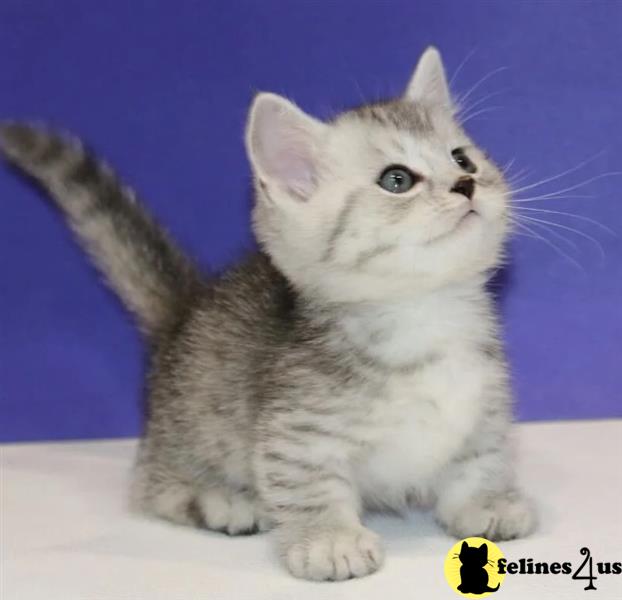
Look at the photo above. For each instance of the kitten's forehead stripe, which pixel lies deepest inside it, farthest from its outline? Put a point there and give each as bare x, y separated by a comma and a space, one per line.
408, 116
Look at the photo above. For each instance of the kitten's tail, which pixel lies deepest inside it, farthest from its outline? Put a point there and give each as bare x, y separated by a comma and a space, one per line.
152, 277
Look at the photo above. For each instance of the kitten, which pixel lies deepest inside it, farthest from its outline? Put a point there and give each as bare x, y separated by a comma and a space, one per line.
354, 363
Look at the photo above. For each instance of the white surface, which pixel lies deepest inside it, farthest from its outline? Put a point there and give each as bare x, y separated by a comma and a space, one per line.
66, 533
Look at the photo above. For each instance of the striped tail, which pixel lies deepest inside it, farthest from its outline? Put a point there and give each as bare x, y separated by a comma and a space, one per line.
141, 263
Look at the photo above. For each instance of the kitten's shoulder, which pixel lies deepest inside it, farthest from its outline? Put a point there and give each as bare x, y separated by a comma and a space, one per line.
253, 286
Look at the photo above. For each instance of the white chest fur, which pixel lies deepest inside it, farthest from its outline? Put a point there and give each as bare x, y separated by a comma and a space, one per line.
421, 418
420, 425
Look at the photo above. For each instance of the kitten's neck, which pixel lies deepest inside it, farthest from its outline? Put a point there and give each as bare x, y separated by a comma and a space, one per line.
404, 330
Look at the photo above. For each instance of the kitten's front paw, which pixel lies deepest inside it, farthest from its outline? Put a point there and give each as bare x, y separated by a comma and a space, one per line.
335, 555
503, 517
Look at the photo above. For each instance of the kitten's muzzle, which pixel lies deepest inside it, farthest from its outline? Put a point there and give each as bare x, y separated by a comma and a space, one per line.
464, 186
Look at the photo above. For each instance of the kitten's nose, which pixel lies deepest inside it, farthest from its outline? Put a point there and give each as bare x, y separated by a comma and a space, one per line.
464, 186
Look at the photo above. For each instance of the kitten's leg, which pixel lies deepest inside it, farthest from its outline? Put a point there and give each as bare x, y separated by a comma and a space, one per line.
211, 503
221, 508
316, 509
476, 496
158, 492
232, 511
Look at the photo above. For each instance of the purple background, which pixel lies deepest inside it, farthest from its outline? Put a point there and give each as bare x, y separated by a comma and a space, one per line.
161, 89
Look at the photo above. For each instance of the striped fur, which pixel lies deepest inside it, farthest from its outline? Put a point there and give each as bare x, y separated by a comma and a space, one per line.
354, 363
139, 260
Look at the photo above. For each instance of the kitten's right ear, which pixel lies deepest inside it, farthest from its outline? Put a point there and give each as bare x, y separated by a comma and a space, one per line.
464, 547
281, 142
429, 82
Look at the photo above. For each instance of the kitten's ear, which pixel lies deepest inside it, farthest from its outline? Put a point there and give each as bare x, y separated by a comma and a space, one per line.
428, 83
464, 547
484, 550
281, 141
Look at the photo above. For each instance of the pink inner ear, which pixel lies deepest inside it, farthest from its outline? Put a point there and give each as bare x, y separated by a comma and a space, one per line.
283, 146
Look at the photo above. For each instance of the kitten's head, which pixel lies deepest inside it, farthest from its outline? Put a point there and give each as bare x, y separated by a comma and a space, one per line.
381, 203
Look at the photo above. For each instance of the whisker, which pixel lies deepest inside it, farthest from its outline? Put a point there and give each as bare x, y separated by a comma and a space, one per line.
470, 116
508, 165
551, 244
563, 174
571, 229
462, 64
464, 109
516, 177
463, 98
554, 233
571, 188
568, 214
528, 235
551, 196
358, 89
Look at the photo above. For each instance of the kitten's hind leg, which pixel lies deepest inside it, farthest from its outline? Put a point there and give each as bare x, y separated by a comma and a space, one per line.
163, 495
220, 507
235, 512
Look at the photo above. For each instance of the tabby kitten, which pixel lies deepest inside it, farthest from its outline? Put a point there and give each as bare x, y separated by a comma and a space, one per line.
354, 363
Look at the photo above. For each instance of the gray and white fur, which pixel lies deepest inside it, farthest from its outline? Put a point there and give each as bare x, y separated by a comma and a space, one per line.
354, 363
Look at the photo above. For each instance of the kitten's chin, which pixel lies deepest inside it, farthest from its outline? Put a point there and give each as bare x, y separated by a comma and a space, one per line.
469, 220
465, 222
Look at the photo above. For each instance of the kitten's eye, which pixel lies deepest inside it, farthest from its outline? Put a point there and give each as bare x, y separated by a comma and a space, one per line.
397, 179
463, 161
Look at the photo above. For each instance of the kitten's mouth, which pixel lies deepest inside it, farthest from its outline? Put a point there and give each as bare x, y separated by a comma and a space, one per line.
463, 222
469, 216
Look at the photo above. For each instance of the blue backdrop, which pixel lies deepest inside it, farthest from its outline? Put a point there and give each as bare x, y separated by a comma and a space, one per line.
161, 89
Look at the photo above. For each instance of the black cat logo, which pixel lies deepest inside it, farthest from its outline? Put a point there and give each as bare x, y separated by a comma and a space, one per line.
473, 575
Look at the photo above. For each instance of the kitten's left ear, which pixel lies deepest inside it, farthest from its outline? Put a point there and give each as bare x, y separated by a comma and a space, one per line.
428, 83
282, 142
